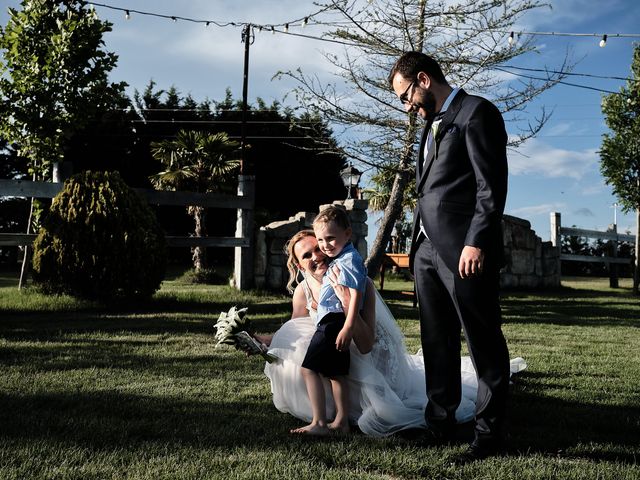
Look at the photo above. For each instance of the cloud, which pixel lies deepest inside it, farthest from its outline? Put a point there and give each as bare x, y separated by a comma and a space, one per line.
535, 157
542, 209
595, 189
584, 212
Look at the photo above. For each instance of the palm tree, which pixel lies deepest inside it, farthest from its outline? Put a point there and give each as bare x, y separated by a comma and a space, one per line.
199, 162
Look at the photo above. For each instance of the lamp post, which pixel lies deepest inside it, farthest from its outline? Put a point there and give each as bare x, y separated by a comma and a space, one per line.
351, 178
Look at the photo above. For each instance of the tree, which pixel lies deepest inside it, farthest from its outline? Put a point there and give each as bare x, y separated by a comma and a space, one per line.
620, 151
53, 77
467, 37
199, 162
280, 141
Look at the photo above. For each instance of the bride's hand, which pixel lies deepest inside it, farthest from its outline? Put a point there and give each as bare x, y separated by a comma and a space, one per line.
342, 292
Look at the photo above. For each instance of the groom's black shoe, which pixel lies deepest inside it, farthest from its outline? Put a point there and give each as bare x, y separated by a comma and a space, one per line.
432, 436
476, 452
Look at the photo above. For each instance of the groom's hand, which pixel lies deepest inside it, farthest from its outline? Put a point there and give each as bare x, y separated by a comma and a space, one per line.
471, 262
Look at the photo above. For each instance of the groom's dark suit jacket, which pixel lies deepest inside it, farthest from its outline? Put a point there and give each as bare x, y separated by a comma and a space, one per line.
462, 186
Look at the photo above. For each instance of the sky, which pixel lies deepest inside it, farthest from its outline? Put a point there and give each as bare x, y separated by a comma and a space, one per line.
556, 171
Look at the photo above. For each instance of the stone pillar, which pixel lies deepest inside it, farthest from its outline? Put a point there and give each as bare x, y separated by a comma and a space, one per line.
270, 256
529, 262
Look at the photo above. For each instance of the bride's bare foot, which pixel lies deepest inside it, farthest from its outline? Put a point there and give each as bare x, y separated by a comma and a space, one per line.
311, 429
339, 427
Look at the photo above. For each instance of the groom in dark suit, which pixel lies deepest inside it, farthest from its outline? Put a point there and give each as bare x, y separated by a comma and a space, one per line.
456, 250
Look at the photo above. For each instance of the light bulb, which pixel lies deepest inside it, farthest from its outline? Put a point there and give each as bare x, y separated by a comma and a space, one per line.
305, 21
286, 28
512, 39
127, 15
603, 42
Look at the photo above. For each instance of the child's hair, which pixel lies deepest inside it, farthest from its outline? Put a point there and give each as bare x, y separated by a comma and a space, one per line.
335, 213
292, 260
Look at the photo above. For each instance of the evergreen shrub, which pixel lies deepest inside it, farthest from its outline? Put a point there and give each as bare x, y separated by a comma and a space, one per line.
99, 240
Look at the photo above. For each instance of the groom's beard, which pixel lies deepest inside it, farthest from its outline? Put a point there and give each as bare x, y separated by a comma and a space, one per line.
426, 102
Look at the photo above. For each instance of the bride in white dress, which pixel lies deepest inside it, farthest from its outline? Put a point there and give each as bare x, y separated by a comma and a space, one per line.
387, 385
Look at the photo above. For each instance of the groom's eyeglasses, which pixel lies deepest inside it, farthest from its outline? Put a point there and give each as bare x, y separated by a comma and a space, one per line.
404, 98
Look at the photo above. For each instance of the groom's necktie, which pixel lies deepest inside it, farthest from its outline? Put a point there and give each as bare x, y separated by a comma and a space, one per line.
433, 131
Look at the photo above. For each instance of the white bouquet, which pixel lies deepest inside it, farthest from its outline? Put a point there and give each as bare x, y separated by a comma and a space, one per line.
232, 328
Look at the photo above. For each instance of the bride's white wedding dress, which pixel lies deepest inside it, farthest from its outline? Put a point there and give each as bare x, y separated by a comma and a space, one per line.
386, 386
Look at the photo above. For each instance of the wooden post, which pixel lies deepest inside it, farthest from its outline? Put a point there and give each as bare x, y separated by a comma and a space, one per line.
243, 265
613, 251
556, 240
636, 269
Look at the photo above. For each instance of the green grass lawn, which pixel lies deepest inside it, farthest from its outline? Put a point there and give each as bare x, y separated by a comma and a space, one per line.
139, 392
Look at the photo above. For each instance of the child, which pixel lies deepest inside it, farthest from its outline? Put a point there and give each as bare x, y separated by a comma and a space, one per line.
328, 352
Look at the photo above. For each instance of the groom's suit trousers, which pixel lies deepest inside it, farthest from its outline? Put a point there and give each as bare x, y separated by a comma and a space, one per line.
447, 302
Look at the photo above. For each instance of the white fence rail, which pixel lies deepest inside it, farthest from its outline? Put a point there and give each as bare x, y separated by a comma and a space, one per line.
244, 203
557, 231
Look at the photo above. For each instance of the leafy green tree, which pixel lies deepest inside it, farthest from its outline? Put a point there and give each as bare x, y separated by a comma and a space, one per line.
290, 154
198, 162
620, 151
53, 77
466, 36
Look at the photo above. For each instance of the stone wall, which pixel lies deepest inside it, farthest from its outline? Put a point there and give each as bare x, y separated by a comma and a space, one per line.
270, 256
530, 262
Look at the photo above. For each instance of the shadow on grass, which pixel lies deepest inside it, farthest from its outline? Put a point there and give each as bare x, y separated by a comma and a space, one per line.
552, 426
562, 311
109, 420
204, 304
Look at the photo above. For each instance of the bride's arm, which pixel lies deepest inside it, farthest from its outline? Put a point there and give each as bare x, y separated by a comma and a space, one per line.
299, 303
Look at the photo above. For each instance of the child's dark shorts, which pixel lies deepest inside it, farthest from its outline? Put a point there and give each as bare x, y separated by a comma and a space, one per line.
322, 355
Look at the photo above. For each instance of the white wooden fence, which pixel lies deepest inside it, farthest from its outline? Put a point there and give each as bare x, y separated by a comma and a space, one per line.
244, 203
557, 231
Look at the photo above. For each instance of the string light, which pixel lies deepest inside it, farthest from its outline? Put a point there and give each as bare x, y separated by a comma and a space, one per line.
512, 39
603, 42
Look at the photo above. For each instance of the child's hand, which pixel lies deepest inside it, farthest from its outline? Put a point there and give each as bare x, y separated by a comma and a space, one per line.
343, 340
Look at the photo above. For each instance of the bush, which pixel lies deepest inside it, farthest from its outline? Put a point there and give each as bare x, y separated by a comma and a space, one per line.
99, 240
208, 276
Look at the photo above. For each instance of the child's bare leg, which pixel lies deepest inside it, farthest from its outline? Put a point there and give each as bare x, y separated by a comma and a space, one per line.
315, 390
340, 392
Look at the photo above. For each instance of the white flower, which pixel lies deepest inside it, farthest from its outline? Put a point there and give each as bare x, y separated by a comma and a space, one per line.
232, 328
229, 324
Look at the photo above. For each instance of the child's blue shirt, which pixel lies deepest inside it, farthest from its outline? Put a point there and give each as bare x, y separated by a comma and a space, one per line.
353, 274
